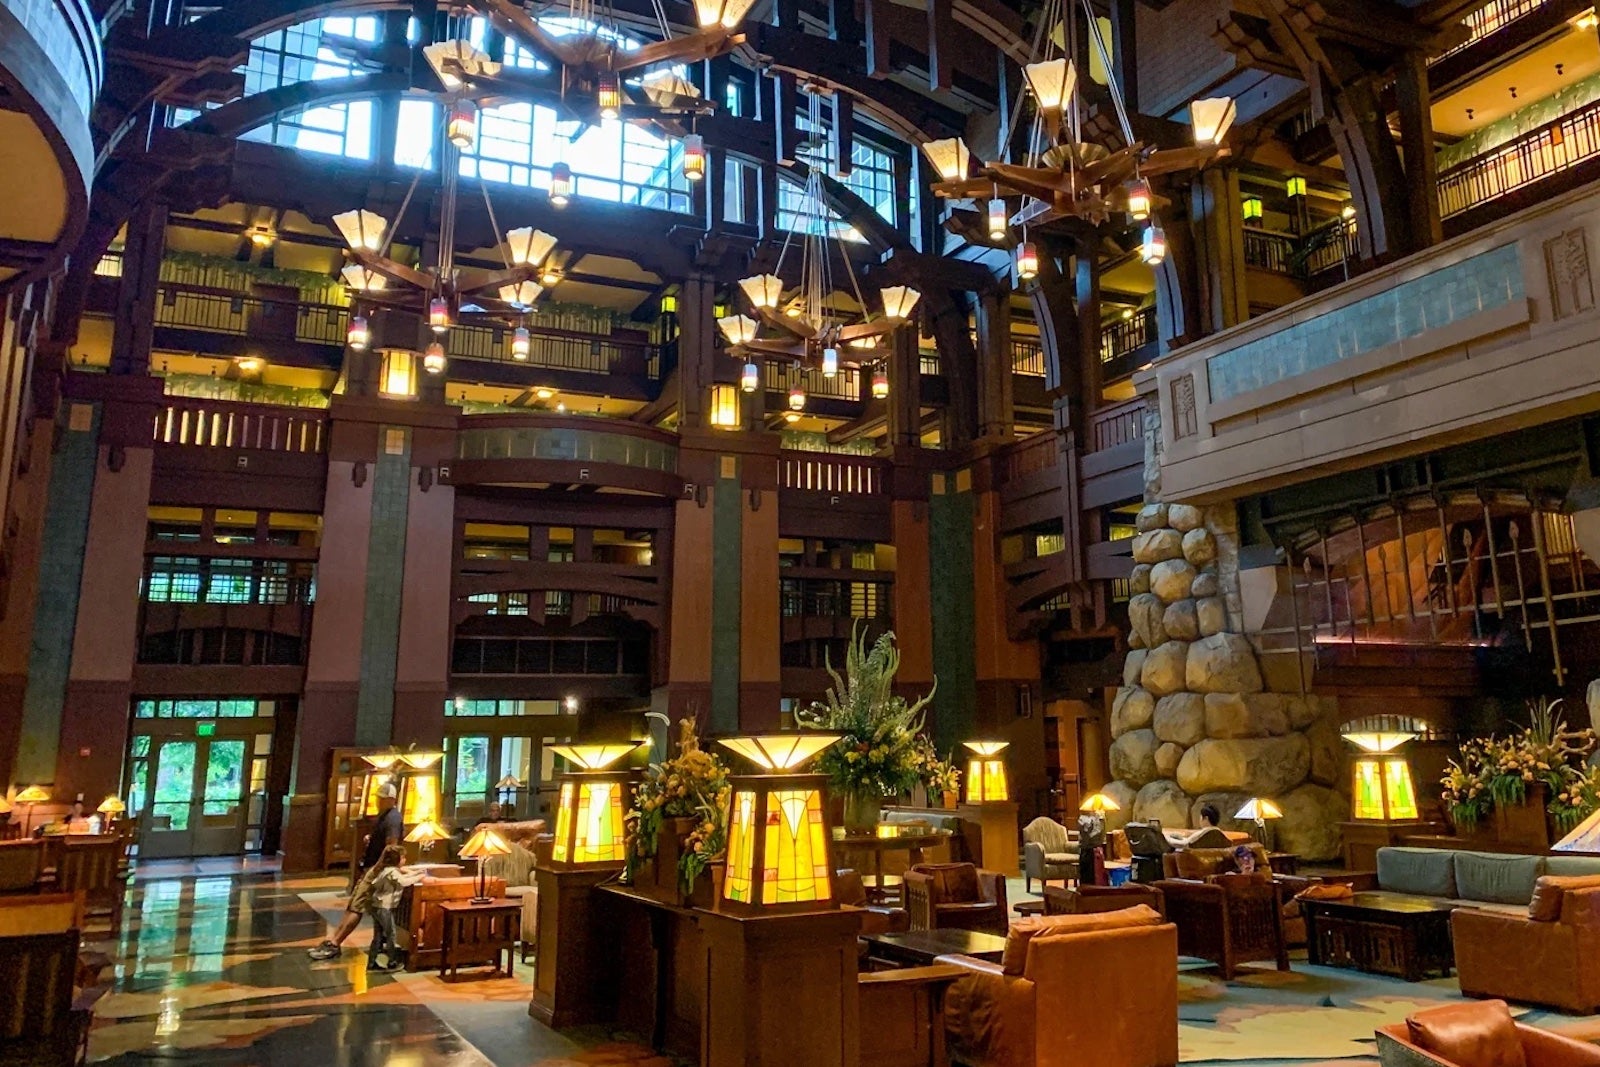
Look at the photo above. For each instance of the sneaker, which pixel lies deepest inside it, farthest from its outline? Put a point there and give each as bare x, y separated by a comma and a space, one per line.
325, 951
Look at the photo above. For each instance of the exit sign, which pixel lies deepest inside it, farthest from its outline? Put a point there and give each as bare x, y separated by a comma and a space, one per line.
204, 729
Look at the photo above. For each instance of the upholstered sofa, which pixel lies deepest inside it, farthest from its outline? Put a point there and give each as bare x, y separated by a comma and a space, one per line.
1049, 851
1547, 954
1492, 881
1096, 989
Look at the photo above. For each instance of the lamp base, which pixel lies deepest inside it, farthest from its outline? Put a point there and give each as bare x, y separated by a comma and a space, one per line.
480, 900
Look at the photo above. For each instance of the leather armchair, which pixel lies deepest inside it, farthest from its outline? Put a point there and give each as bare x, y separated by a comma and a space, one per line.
1090, 899
1229, 920
875, 918
1477, 1034
942, 896
1546, 956
1049, 851
1043, 1014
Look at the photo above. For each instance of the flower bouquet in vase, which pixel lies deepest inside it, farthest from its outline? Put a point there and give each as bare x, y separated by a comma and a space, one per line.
678, 825
881, 751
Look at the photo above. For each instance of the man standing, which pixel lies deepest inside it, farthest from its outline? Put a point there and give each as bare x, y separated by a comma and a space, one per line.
385, 833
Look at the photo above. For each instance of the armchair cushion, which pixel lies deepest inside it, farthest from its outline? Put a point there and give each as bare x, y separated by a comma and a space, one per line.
1023, 931
1497, 878
1549, 893
1474, 1034
954, 883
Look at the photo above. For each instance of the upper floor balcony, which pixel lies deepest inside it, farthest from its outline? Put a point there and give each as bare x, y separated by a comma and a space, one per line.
538, 450
1487, 332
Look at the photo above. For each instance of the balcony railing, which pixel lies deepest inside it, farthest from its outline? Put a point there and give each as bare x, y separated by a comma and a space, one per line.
231, 424
1556, 146
831, 472
1118, 425
845, 385
200, 580
1267, 250
193, 308
1031, 455
617, 443
1121, 336
827, 598
1330, 246
1027, 357
1490, 18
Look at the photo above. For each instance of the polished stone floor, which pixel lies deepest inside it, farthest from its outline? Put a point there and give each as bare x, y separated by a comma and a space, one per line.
211, 968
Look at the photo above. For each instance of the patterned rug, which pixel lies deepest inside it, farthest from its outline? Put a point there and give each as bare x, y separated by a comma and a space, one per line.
1311, 1015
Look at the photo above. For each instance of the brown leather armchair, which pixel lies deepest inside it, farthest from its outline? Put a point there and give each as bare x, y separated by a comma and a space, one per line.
1090, 899
1229, 920
1546, 956
875, 918
1477, 1034
943, 896
1034, 1008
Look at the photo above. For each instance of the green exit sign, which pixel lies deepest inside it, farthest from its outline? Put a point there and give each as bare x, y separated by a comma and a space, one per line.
204, 729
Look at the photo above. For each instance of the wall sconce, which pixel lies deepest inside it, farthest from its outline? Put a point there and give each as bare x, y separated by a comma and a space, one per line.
1251, 209
986, 772
589, 807
779, 840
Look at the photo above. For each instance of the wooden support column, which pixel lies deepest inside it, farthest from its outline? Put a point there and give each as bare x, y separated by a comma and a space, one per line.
843, 133
1125, 51
1177, 299
785, 116
422, 663
996, 417
134, 326
1086, 303
1416, 141
696, 350
941, 44
1217, 227
905, 390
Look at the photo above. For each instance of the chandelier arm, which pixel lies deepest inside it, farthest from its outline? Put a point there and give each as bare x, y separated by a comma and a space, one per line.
394, 227
1111, 72
494, 225
1003, 143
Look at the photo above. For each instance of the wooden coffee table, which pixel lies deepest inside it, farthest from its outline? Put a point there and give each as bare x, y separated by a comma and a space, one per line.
919, 948
1382, 933
478, 934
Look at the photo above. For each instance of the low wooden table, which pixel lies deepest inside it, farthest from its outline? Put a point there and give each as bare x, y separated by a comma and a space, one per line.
1382, 933
1028, 907
920, 948
478, 934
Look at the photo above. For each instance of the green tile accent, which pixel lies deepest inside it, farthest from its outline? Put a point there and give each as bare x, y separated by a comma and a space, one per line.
950, 519
386, 562
55, 613
727, 548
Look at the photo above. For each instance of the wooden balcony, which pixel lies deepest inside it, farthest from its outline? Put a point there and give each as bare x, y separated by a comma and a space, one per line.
538, 451
832, 494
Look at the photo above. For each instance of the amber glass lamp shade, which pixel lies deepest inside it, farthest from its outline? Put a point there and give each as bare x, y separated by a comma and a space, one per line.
590, 807
779, 839
111, 807
480, 846
1099, 804
986, 772
1381, 777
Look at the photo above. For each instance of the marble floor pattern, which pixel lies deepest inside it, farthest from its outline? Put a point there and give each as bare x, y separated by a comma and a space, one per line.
210, 968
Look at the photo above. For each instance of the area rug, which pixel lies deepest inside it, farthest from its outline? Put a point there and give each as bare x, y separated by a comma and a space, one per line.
1312, 1014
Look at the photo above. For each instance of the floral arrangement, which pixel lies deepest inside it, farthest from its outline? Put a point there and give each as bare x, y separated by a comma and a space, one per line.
1494, 772
882, 751
693, 784
940, 776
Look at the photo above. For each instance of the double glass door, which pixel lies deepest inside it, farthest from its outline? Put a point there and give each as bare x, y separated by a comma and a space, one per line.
195, 796
475, 764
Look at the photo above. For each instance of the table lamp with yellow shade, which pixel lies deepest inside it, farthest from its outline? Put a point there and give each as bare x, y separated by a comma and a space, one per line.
779, 841
986, 772
1097, 804
1258, 810
425, 833
590, 806
33, 794
484, 843
111, 807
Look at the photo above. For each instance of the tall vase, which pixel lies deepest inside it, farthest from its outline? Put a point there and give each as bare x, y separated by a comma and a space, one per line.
862, 810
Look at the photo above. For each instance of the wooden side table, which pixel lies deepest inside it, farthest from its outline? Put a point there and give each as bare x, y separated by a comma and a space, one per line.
478, 934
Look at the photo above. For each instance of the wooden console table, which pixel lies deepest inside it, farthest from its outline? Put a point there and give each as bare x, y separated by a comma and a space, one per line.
478, 934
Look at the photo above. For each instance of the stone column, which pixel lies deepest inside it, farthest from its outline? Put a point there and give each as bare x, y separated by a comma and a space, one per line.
1193, 722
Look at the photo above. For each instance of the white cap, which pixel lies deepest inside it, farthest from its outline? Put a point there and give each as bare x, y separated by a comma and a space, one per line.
387, 791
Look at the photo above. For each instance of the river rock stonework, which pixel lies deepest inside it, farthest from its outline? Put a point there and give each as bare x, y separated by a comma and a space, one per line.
1195, 721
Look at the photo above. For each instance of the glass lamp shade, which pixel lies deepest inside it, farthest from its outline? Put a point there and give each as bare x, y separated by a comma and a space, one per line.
510, 781
361, 229
427, 832
694, 157
1153, 249
1099, 804
1379, 740
1211, 119
1295, 186
521, 342
797, 398
1251, 209
419, 797
880, 384
1027, 261
594, 757
1258, 809
1139, 200
421, 759
762, 290
560, 184
433, 360
780, 753
830, 362
723, 409
669, 303
986, 772
1382, 788
726, 13
779, 845
589, 819
1052, 82
609, 95
480, 846
439, 314
381, 760
950, 158
462, 127
359, 335
362, 279
529, 246
898, 300
112, 806
522, 294
750, 380
738, 329
999, 219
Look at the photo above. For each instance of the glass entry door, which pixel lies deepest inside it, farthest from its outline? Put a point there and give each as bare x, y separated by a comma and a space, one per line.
197, 797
